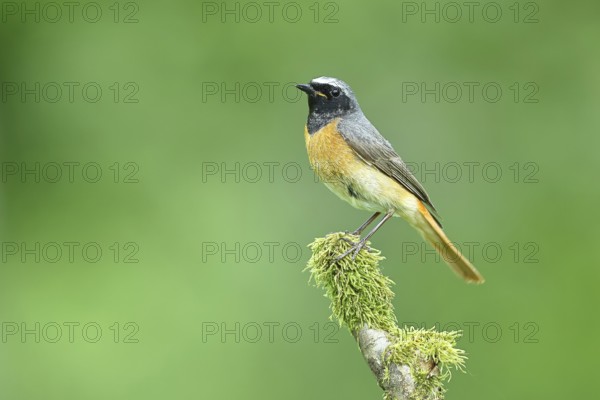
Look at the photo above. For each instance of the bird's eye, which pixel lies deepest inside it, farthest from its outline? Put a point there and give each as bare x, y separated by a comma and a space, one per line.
335, 92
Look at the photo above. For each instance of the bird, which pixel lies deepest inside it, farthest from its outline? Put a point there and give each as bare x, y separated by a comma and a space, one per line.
351, 157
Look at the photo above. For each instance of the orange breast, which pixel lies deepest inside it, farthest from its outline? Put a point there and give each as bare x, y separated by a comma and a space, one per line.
353, 180
329, 154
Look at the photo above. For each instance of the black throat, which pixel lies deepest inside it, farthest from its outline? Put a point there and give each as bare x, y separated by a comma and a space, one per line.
322, 111
317, 121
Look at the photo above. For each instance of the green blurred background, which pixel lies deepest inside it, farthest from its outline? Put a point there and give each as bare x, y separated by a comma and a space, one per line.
530, 330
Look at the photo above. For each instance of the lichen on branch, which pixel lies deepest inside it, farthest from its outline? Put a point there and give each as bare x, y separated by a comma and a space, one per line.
408, 363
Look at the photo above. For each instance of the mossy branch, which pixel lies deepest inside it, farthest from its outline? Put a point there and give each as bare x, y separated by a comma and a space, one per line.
409, 364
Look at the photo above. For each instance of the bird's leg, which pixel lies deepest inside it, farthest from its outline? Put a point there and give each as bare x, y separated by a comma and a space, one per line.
361, 228
368, 222
357, 247
364, 240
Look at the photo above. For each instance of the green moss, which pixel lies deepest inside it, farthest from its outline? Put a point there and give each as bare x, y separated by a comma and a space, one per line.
430, 356
360, 294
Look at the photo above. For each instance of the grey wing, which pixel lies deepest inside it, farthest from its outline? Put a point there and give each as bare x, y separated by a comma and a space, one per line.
375, 150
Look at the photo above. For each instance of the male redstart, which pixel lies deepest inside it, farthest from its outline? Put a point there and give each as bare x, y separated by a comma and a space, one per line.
360, 166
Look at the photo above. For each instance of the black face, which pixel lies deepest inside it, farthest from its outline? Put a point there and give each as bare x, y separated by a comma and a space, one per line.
326, 101
326, 97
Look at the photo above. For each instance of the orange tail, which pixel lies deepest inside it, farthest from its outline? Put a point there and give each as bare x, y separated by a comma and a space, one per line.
434, 234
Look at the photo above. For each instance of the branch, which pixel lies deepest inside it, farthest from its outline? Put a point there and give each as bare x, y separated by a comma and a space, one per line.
409, 364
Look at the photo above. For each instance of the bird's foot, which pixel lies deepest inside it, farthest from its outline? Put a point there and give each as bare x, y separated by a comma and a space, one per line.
354, 249
345, 239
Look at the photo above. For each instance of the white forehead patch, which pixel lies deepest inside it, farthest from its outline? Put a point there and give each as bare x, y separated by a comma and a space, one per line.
327, 81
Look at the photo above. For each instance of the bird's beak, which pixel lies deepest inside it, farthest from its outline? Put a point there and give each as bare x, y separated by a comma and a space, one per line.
306, 88
309, 90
